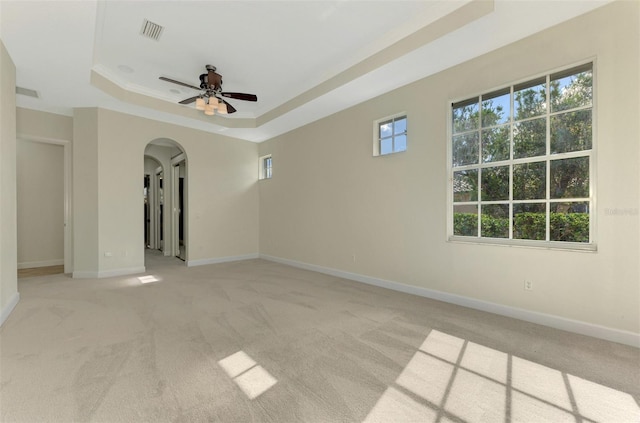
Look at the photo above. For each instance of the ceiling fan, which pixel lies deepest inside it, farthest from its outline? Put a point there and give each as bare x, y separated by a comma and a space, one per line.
210, 97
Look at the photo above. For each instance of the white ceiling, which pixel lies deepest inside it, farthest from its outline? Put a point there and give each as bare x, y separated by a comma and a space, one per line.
303, 59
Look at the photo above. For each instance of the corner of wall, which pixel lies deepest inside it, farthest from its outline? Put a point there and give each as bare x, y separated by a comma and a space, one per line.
8, 236
8, 308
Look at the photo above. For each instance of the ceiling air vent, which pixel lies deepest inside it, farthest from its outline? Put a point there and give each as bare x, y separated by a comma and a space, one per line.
27, 92
151, 30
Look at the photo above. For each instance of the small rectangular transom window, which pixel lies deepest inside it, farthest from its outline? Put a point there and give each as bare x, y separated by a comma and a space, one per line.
266, 167
390, 135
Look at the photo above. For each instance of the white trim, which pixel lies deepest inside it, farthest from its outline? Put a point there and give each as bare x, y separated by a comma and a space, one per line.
525, 79
176, 212
202, 262
527, 243
6, 311
108, 273
178, 158
43, 263
593, 166
548, 157
376, 133
262, 169
68, 192
557, 322
159, 220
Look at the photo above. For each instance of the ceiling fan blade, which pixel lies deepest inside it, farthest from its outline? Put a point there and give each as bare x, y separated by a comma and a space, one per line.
241, 96
173, 81
189, 100
230, 108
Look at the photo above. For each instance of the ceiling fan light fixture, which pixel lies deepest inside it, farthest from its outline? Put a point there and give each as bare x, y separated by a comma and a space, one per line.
210, 93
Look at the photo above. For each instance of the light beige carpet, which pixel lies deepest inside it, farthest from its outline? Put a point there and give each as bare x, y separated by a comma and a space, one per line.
256, 341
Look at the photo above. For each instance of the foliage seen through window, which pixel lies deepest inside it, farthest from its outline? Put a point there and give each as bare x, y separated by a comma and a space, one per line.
521, 160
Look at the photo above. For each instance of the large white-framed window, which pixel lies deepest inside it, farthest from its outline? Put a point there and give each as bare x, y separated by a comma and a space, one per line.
265, 167
390, 135
521, 163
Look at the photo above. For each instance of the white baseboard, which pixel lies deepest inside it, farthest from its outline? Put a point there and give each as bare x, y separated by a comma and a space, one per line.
202, 262
6, 310
44, 263
557, 322
108, 273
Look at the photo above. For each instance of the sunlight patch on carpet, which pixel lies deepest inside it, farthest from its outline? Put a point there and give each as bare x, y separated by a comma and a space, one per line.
396, 406
148, 279
250, 377
452, 379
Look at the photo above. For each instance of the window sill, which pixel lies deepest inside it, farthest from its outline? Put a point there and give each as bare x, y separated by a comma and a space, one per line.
393, 153
521, 243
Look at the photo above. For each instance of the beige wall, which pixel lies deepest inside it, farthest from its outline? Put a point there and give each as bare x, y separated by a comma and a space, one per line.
85, 214
37, 125
108, 164
53, 129
40, 196
8, 239
108, 203
330, 200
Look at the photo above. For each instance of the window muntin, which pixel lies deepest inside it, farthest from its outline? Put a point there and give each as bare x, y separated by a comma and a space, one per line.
521, 161
391, 135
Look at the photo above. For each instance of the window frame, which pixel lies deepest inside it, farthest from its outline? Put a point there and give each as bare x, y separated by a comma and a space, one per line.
547, 158
377, 139
265, 171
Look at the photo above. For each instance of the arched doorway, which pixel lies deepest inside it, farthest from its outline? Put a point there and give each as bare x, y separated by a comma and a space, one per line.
166, 198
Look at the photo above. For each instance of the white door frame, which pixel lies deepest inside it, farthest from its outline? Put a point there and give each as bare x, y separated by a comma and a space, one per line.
175, 208
159, 219
68, 217
154, 207
175, 205
150, 206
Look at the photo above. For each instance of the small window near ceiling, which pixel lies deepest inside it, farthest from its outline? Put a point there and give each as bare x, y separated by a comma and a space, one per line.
266, 167
390, 135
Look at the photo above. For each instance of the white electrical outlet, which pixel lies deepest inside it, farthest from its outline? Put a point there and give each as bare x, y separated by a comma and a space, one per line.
528, 286
108, 254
